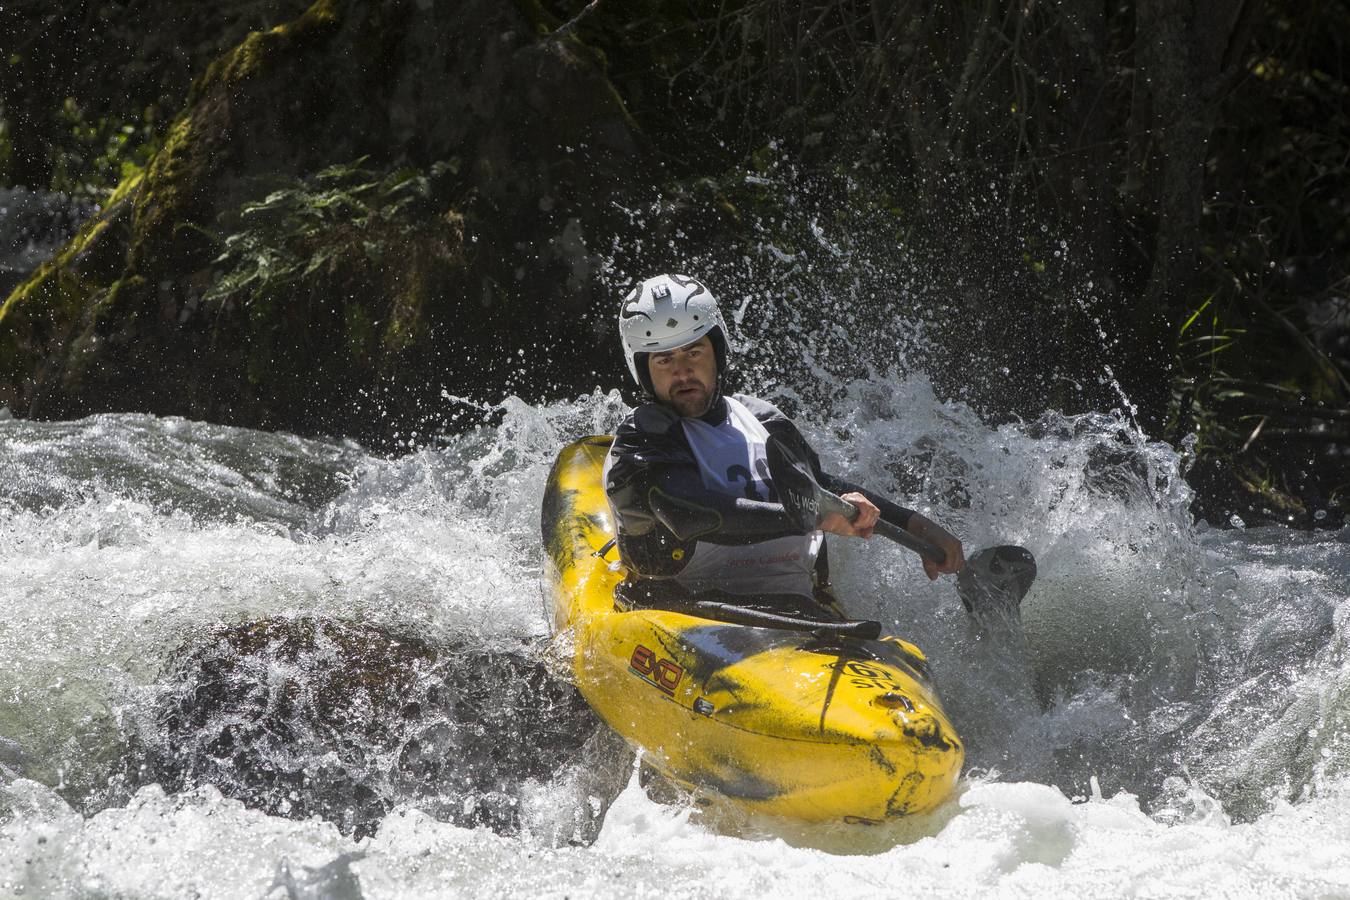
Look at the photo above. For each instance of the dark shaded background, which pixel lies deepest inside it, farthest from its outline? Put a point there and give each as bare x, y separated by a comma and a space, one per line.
326, 219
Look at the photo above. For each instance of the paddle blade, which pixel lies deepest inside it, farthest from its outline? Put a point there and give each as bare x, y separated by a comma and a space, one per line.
992, 586
795, 483
997, 578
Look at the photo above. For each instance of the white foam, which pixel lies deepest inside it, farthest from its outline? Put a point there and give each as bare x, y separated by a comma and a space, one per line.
126, 533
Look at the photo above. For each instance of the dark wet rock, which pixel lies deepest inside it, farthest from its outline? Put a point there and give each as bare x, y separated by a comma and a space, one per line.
305, 717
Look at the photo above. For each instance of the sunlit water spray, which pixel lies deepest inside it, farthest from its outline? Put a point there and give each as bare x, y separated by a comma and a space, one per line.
1196, 676
1179, 728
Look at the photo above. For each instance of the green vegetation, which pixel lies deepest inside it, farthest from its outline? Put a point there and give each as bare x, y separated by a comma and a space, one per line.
94, 154
87, 89
1264, 352
342, 232
1150, 195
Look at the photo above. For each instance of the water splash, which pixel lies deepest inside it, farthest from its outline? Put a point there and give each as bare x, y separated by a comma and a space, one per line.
1199, 674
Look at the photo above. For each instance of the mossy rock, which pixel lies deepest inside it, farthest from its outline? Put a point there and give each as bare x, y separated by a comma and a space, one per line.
532, 147
232, 110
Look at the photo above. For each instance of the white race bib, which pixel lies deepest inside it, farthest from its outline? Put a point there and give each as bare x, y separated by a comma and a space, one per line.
732, 461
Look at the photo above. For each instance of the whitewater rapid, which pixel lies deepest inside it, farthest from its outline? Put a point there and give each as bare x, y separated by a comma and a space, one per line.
1186, 736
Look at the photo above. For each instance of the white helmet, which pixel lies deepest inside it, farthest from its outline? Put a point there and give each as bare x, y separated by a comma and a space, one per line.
665, 313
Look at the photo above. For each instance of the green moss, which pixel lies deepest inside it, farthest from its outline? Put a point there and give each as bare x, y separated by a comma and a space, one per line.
404, 317
52, 298
262, 48
175, 169
49, 325
580, 51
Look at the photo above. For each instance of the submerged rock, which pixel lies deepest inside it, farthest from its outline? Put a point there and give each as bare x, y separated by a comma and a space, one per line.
305, 717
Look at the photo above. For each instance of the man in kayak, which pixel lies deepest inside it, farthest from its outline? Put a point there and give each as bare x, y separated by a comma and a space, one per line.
688, 478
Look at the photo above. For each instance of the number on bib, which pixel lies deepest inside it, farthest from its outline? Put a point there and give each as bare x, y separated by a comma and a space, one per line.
741, 473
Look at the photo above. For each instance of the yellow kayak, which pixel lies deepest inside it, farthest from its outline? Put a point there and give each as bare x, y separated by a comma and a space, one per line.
786, 723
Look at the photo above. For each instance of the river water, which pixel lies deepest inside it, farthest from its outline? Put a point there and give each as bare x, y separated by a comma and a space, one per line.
1182, 730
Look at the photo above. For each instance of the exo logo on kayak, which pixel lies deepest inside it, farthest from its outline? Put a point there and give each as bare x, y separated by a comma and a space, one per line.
661, 674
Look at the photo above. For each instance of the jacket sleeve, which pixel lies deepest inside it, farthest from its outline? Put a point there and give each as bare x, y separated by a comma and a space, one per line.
891, 511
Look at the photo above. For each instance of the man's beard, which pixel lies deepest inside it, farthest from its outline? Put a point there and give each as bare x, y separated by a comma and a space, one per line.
691, 405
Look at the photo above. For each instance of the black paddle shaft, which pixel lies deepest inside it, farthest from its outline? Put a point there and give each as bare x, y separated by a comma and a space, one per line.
807, 502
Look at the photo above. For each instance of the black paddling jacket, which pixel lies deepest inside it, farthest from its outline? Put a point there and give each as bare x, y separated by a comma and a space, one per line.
663, 508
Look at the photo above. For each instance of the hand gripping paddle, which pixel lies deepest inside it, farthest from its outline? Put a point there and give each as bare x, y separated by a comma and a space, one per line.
991, 585
806, 502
